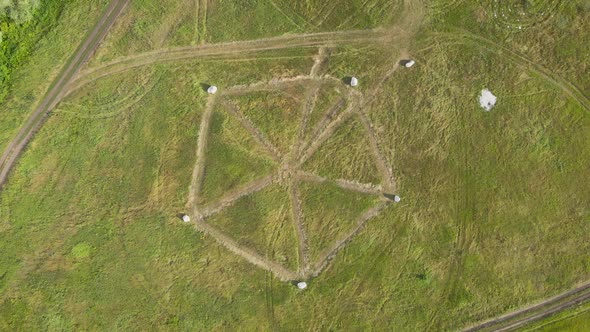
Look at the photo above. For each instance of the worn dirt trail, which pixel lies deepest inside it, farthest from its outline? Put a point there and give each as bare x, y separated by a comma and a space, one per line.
249, 254
329, 254
199, 170
234, 195
59, 86
232, 50
364, 188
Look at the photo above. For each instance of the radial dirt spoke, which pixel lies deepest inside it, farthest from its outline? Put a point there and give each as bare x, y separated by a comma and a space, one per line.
272, 150
329, 254
365, 188
247, 253
231, 197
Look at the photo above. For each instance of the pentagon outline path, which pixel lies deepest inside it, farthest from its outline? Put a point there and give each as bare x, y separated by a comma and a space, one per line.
289, 163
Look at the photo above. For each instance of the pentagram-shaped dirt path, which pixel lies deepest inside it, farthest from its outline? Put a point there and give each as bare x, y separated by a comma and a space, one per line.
289, 173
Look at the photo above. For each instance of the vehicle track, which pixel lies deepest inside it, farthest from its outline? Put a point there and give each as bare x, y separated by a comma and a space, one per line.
379, 159
326, 133
249, 254
229, 50
58, 87
365, 188
230, 198
516, 319
199, 170
295, 197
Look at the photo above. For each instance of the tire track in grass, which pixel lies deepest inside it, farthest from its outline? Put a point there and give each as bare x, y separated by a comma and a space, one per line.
323, 123
203, 32
465, 212
546, 308
326, 133
311, 95
232, 50
378, 158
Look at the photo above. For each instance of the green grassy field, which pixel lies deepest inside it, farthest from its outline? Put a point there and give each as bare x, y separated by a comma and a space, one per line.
494, 212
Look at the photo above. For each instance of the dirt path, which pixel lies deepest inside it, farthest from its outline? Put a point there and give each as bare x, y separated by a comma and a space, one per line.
231, 50
329, 254
364, 188
247, 253
231, 197
59, 85
272, 150
310, 97
302, 238
379, 159
323, 123
199, 170
326, 133
544, 309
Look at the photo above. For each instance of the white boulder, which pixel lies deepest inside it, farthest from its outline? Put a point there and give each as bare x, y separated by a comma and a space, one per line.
302, 285
186, 218
212, 89
487, 100
354, 81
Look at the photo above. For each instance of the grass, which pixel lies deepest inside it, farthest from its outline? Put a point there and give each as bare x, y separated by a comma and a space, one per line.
493, 216
346, 155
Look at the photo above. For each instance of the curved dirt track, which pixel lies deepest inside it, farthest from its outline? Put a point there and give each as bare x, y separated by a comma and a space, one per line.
58, 87
230, 50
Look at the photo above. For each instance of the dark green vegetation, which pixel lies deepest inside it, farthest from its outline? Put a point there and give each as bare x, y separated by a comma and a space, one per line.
32, 52
494, 212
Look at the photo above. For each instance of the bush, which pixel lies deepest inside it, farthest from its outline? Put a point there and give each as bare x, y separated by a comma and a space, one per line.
22, 24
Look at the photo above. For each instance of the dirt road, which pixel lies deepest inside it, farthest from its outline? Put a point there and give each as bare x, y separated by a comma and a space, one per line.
544, 309
59, 86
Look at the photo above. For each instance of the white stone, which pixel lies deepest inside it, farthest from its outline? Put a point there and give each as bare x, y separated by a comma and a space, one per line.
396, 198
487, 100
186, 218
354, 81
212, 89
410, 63
302, 285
